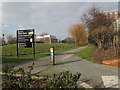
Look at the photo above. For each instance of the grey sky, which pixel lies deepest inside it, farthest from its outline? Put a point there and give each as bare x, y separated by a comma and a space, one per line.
53, 18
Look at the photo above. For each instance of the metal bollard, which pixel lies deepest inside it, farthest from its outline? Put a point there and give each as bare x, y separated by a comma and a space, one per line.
52, 56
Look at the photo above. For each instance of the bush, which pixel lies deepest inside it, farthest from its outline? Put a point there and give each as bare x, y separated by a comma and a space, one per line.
11, 80
20, 79
63, 80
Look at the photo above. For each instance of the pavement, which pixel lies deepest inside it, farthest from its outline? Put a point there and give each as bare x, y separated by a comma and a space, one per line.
93, 75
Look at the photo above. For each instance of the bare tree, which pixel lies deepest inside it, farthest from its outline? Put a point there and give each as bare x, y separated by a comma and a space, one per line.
11, 40
78, 34
100, 27
68, 40
44, 33
95, 18
104, 36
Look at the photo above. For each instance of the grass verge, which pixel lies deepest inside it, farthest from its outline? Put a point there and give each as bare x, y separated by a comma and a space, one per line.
45, 52
84, 54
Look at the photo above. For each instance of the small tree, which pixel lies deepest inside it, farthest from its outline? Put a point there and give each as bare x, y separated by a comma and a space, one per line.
78, 34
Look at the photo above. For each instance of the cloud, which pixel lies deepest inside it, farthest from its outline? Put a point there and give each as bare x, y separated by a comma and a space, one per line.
0, 19
3, 26
8, 29
60, 0
53, 18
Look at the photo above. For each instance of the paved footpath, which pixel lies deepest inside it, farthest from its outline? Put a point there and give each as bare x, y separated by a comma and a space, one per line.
93, 74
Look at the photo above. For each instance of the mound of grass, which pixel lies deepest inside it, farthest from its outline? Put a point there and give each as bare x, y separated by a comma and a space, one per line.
9, 52
84, 54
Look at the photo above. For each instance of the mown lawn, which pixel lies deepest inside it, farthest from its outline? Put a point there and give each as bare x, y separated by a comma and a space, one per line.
9, 52
84, 54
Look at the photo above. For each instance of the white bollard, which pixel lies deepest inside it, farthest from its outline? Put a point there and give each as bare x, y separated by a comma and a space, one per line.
52, 56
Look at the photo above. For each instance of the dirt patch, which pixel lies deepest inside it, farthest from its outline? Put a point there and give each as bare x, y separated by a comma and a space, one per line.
100, 54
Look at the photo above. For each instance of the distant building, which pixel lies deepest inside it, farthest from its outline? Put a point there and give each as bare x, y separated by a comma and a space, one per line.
115, 16
46, 39
117, 22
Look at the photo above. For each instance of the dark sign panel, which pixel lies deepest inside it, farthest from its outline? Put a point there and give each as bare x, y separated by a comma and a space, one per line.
23, 45
25, 38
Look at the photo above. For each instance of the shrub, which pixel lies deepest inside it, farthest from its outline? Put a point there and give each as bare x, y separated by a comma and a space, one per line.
63, 80
20, 79
11, 80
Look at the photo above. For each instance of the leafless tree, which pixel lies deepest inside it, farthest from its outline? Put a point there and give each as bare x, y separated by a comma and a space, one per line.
68, 40
44, 33
94, 18
11, 39
100, 27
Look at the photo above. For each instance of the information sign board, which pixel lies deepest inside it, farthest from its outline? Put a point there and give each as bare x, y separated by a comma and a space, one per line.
25, 39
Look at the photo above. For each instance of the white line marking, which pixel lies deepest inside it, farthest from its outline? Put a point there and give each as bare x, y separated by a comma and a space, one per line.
110, 81
83, 84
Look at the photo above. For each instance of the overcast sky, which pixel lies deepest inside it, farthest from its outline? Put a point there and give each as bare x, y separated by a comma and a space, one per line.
53, 18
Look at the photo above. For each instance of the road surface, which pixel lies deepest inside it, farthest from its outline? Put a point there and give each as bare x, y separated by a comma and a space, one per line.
92, 74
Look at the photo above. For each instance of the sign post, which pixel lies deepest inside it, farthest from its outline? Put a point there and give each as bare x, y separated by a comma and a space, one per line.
52, 56
25, 39
17, 43
34, 42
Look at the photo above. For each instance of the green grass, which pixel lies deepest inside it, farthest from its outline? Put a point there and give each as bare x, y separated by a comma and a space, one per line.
84, 54
9, 53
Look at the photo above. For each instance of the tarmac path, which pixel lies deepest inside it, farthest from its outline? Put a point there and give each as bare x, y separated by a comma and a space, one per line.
92, 73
